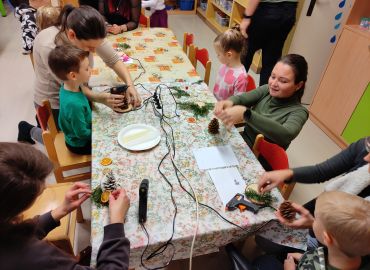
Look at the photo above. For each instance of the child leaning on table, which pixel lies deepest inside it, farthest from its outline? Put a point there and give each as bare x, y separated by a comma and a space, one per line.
342, 224
71, 65
231, 77
158, 12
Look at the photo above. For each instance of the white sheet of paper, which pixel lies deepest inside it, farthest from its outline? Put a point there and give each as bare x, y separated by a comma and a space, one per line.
215, 157
228, 182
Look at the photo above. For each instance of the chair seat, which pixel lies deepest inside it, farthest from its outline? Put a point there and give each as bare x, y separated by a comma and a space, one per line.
66, 157
53, 196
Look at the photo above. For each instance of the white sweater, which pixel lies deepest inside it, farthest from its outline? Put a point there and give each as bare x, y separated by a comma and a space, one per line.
153, 5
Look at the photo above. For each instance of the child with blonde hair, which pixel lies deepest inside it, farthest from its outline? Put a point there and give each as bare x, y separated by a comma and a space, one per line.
342, 224
232, 77
47, 16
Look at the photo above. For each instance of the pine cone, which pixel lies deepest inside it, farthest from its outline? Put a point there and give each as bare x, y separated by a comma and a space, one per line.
110, 184
287, 211
213, 126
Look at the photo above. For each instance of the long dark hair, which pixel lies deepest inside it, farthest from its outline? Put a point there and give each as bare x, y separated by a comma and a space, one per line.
300, 69
85, 21
23, 170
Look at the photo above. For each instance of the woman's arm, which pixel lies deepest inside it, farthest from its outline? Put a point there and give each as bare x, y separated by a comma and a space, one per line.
281, 134
135, 15
250, 98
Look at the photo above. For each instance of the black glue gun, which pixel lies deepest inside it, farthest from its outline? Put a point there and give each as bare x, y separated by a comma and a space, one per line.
238, 202
143, 200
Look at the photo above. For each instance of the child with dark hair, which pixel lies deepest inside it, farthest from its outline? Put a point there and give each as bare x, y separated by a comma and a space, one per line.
23, 170
231, 77
71, 65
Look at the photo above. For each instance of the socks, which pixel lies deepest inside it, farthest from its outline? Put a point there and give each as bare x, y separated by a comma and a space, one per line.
24, 132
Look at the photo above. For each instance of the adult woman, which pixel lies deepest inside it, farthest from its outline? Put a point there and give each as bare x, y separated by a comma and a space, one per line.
121, 15
87, 34
352, 161
267, 24
274, 109
23, 170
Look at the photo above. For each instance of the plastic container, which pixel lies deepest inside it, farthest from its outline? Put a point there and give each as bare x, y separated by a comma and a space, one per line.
222, 19
186, 4
203, 5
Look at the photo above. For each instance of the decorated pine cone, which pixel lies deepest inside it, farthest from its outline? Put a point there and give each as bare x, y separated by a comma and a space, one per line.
214, 126
111, 183
287, 210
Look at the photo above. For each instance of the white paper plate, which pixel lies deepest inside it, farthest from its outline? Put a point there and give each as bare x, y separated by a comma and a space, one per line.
138, 137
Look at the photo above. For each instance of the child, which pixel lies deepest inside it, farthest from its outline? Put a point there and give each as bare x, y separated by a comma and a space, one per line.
159, 16
71, 65
26, 15
342, 224
23, 170
231, 77
47, 16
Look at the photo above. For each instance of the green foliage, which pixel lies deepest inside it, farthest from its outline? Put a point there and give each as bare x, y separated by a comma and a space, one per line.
196, 108
123, 46
96, 197
179, 92
265, 198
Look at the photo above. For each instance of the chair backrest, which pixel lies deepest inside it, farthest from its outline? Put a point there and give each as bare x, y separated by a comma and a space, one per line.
46, 119
202, 56
274, 154
144, 20
188, 40
251, 84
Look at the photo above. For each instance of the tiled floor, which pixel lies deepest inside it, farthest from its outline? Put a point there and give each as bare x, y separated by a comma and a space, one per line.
16, 104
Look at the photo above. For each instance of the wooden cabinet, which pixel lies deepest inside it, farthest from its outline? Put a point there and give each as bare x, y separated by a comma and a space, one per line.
344, 84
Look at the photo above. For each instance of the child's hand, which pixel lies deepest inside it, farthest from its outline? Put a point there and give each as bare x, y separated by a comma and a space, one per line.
222, 105
119, 204
232, 116
289, 263
304, 221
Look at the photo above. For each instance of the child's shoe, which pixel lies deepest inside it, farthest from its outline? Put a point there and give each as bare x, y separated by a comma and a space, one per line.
24, 132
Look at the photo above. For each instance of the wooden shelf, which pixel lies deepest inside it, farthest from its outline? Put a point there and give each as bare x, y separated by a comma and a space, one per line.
221, 9
201, 12
243, 3
359, 30
181, 12
217, 25
237, 21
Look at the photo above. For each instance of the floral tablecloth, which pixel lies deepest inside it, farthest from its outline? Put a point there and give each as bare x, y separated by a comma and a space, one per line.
130, 168
156, 57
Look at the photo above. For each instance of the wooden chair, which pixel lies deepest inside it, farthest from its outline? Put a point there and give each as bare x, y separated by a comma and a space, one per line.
144, 21
251, 84
188, 40
202, 56
62, 236
58, 153
276, 158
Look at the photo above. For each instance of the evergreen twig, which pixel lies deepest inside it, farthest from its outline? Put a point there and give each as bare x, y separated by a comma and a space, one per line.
196, 109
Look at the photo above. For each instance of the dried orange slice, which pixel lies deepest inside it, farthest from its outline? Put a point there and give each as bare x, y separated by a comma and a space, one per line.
191, 120
106, 161
104, 198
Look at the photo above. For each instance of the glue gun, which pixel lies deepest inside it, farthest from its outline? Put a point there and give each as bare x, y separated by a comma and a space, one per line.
238, 202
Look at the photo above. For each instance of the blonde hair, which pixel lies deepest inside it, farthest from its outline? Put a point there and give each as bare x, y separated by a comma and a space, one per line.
47, 16
347, 218
232, 39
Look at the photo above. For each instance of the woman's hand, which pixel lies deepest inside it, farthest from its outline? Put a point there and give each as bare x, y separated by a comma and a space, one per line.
133, 96
272, 179
232, 116
289, 263
305, 220
114, 29
244, 25
222, 105
72, 200
112, 101
119, 204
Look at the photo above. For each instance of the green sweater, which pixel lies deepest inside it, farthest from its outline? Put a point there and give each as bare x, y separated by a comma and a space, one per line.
279, 120
75, 117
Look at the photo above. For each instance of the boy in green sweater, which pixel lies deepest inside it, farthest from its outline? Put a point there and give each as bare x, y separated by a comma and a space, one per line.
71, 65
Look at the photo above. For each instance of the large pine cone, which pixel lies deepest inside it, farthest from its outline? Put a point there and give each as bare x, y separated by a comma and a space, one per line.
213, 126
287, 211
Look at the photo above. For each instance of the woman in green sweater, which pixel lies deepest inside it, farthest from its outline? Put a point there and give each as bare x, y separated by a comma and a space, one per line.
274, 109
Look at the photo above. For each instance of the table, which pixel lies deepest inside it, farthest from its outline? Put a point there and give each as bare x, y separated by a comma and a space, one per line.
159, 53
131, 167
